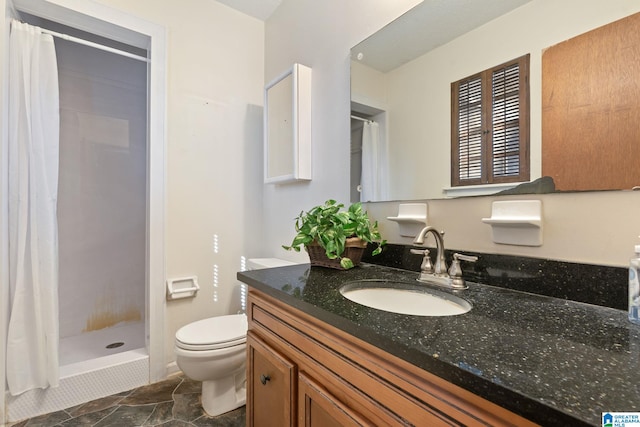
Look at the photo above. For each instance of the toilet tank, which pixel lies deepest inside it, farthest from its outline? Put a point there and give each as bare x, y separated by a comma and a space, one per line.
260, 263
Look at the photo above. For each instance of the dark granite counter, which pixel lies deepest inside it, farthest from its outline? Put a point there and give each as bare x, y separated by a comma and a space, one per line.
554, 361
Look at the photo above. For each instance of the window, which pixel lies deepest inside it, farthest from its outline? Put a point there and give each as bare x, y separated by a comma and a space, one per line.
490, 126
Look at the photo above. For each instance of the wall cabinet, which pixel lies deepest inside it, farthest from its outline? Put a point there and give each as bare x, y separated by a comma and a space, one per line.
287, 127
304, 372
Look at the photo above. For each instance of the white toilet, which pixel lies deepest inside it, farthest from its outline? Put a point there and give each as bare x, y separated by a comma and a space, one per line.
213, 351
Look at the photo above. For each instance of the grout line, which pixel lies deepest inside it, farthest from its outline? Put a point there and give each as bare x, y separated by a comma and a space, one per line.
155, 406
176, 388
115, 408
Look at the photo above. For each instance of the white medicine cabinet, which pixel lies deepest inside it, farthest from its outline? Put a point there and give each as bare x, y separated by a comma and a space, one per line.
287, 127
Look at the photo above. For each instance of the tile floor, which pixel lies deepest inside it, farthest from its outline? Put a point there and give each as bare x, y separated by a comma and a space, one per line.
174, 402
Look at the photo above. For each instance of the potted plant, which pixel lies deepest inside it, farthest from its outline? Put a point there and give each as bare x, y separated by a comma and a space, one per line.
334, 237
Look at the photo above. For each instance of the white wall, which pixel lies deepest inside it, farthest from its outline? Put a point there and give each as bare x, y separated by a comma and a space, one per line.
598, 228
368, 86
214, 129
587, 227
318, 34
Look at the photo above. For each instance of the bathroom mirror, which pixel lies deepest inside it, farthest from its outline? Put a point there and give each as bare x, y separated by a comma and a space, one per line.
287, 127
401, 78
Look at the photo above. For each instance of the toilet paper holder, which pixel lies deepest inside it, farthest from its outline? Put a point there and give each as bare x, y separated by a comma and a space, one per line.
183, 287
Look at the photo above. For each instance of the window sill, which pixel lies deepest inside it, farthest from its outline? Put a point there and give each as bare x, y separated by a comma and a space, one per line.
478, 190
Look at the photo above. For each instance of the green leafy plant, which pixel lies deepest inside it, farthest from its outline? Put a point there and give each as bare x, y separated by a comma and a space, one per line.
330, 227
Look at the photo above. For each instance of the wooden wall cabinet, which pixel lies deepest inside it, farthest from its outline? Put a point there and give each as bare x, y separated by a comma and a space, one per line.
591, 109
304, 372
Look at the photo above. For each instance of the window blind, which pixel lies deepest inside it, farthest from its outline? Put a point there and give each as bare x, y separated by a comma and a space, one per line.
490, 125
470, 129
505, 127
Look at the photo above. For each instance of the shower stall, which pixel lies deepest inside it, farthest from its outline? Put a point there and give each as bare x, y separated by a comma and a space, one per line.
101, 201
109, 210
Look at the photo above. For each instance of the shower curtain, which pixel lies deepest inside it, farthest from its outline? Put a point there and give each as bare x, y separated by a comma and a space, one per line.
374, 179
32, 338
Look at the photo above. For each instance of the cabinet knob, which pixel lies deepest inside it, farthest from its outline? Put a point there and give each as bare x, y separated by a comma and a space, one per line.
264, 378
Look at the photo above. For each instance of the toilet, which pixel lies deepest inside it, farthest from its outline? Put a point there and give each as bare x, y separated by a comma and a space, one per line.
213, 351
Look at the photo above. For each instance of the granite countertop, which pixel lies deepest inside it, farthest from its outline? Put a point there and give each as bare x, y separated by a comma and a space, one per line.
551, 360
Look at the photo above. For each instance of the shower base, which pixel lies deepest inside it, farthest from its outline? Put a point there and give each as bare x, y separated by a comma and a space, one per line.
92, 345
89, 371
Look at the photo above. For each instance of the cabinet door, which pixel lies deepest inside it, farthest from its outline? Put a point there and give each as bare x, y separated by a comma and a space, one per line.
270, 386
318, 408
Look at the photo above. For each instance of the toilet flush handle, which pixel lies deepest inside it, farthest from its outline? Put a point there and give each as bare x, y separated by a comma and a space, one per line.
264, 379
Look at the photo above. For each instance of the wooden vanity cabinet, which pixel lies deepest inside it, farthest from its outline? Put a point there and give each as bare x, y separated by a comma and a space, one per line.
271, 382
302, 371
317, 407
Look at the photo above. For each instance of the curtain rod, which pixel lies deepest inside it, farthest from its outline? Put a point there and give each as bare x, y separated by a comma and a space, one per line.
362, 119
95, 45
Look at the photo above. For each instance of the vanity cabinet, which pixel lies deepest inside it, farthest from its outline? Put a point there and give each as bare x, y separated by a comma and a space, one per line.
317, 407
271, 385
302, 371
271, 393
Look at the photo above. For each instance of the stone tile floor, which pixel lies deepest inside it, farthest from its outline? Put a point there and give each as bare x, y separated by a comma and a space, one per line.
174, 402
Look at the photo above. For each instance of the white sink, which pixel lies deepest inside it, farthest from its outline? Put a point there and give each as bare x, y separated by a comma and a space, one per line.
404, 298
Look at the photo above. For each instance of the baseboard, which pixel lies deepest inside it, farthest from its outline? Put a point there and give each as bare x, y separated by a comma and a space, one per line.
173, 369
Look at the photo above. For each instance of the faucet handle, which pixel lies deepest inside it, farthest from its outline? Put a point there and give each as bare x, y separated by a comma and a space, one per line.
455, 271
462, 257
426, 266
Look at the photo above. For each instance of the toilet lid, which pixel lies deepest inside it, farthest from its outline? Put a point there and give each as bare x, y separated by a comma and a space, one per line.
213, 333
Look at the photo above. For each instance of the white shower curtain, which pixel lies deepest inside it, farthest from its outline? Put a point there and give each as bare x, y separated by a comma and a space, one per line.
32, 341
374, 179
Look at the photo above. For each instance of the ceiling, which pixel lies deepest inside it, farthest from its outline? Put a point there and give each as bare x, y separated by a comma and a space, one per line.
428, 25
261, 9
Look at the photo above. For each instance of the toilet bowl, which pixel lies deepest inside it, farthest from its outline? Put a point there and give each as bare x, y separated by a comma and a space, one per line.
213, 351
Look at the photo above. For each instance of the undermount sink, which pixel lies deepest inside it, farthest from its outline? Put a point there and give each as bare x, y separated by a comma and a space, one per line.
404, 298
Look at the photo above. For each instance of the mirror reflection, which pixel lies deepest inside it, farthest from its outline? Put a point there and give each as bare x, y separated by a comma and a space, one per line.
401, 87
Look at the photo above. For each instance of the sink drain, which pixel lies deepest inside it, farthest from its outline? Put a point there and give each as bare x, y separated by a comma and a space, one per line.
115, 345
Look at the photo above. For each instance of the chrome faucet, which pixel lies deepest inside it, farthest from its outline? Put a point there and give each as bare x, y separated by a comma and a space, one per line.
438, 274
441, 264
